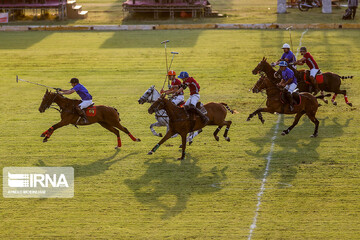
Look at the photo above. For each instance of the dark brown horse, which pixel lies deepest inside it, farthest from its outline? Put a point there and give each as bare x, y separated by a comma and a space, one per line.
307, 104
181, 124
107, 117
331, 81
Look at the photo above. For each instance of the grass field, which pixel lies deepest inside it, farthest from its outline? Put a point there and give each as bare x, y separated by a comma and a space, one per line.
312, 190
236, 11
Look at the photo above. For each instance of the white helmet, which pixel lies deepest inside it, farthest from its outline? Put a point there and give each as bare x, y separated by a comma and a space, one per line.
286, 46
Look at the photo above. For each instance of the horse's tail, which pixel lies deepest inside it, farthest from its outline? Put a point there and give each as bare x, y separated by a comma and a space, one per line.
117, 113
346, 77
228, 108
322, 97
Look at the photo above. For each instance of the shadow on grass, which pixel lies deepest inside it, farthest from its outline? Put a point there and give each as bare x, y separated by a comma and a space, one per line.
295, 149
93, 168
179, 179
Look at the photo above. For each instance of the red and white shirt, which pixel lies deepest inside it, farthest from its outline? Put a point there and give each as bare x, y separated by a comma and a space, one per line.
310, 61
177, 82
193, 85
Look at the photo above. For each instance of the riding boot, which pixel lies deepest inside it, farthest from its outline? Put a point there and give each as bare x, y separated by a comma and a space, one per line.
187, 110
82, 114
315, 86
203, 117
291, 101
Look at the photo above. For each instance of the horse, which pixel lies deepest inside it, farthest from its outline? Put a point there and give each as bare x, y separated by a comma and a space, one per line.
181, 123
330, 81
150, 96
107, 117
306, 104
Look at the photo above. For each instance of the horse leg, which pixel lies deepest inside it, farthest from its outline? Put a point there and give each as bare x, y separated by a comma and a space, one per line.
47, 134
157, 124
325, 100
333, 99
192, 136
216, 133
261, 118
296, 121
124, 129
113, 130
346, 98
316, 122
166, 137
183, 138
259, 110
228, 124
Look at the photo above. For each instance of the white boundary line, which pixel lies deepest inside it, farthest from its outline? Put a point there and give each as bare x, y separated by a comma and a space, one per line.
268, 158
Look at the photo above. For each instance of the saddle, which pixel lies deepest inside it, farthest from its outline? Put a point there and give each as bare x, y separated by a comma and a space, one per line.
296, 97
319, 77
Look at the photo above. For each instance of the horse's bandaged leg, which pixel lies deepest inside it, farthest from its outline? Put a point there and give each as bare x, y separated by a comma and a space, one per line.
119, 141
132, 137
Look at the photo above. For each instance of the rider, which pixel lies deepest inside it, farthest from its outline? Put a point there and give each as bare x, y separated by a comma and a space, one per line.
175, 86
314, 68
194, 95
287, 56
288, 81
83, 93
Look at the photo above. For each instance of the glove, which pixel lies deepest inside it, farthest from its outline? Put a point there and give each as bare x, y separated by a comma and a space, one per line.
273, 64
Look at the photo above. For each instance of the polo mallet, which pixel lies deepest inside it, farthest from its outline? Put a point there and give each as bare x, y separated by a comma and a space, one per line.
166, 61
18, 79
289, 29
173, 53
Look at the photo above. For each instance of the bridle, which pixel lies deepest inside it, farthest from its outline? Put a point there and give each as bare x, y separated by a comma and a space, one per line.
49, 103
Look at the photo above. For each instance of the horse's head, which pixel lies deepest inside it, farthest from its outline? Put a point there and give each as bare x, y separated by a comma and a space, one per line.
261, 84
150, 95
48, 99
261, 66
157, 105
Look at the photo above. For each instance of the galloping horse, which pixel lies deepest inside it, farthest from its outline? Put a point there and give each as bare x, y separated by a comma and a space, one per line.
307, 104
107, 117
150, 96
180, 123
331, 81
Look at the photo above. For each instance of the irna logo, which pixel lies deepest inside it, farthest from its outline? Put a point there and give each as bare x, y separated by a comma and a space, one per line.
37, 180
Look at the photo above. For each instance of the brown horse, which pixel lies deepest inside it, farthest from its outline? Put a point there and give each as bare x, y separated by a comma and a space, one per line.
181, 124
307, 104
107, 117
331, 81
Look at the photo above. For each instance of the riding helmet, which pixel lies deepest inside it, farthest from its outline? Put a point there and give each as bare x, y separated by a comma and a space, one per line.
286, 46
303, 49
171, 73
183, 75
74, 80
283, 64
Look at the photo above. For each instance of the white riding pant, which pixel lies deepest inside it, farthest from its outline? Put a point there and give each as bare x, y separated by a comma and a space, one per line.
193, 100
85, 104
313, 72
177, 99
291, 87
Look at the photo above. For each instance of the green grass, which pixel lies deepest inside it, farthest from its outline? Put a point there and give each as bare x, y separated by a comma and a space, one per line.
236, 11
312, 191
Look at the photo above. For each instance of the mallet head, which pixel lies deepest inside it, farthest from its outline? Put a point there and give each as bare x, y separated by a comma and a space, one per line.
166, 41
288, 28
17, 78
174, 53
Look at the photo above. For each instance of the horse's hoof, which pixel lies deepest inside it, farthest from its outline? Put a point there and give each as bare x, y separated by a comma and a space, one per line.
334, 103
326, 101
350, 104
138, 140
180, 158
216, 138
117, 147
180, 146
160, 135
150, 153
190, 143
314, 135
262, 121
227, 139
248, 119
45, 140
42, 135
284, 132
